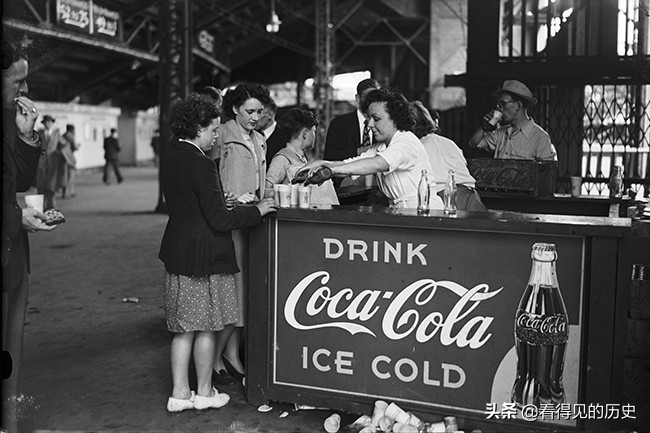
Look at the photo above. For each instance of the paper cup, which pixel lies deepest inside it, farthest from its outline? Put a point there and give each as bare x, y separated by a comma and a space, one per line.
284, 191
385, 423
379, 411
35, 201
304, 199
392, 410
276, 192
332, 423
438, 427
496, 116
576, 186
294, 194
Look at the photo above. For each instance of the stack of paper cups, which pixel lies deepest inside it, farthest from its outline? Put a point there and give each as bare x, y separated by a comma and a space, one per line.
332, 423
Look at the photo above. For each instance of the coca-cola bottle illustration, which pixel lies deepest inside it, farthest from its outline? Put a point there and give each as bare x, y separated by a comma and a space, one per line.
541, 333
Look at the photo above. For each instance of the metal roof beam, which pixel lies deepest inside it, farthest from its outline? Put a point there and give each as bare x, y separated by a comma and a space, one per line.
70, 37
103, 73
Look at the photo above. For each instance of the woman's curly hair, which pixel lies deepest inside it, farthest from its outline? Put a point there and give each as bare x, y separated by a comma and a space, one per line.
397, 106
424, 123
188, 115
239, 95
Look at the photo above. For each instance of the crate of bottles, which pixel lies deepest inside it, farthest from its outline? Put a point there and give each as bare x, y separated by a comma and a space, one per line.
514, 176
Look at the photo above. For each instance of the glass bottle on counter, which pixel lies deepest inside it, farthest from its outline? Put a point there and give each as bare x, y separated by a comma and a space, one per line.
424, 192
450, 194
616, 182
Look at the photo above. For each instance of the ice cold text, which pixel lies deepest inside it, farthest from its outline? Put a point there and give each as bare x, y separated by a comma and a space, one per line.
384, 367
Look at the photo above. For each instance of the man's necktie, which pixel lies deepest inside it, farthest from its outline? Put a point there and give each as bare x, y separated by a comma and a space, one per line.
366, 134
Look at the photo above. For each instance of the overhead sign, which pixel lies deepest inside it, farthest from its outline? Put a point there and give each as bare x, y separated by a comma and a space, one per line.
86, 16
413, 315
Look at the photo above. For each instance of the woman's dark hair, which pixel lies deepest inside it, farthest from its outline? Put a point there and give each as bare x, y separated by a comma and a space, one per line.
424, 123
212, 93
188, 115
397, 106
292, 122
239, 95
11, 52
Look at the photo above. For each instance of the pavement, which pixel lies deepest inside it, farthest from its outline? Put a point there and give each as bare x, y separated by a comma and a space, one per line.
95, 363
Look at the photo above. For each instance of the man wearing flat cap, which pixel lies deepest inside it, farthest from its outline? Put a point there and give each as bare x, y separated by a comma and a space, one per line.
518, 137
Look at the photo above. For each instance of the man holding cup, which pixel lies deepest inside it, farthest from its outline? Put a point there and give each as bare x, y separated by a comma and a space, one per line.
518, 137
21, 149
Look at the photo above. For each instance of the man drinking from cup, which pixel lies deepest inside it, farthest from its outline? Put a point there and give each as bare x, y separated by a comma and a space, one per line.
518, 136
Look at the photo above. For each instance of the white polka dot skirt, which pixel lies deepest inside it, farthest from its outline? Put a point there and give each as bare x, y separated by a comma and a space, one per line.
200, 303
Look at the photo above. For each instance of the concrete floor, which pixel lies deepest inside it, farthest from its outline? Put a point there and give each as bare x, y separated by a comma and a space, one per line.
95, 363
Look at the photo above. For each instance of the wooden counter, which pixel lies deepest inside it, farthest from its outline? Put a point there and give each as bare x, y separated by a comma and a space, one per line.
342, 313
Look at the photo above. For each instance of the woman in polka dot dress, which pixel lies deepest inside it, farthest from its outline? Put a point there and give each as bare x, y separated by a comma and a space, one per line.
197, 250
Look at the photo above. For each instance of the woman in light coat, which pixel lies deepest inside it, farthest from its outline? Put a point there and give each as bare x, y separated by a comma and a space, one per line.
241, 152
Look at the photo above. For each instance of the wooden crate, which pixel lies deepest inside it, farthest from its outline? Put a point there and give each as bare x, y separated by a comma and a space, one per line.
514, 176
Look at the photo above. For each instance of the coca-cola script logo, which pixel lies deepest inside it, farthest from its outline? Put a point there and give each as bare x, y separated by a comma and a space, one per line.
398, 321
540, 330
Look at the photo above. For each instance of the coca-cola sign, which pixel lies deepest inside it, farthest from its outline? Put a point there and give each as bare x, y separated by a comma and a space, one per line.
417, 315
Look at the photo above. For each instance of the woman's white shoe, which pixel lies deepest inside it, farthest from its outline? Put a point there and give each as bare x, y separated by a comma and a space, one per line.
180, 404
216, 401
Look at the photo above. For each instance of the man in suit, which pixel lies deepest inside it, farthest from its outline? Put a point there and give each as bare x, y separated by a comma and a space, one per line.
348, 135
112, 156
276, 139
52, 164
21, 149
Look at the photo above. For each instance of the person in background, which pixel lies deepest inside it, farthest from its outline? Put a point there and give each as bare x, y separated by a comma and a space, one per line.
70, 161
21, 150
300, 126
349, 135
199, 292
398, 157
50, 175
518, 137
445, 155
155, 146
276, 139
242, 165
112, 150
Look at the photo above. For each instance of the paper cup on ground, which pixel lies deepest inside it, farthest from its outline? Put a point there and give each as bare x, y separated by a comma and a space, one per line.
294, 194
284, 191
385, 423
379, 411
332, 423
304, 199
414, 420
438, 427
393, 411
35, 201
576, 186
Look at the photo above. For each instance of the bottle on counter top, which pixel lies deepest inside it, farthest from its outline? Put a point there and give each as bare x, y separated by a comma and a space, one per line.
450, 194
424, 191
616, 183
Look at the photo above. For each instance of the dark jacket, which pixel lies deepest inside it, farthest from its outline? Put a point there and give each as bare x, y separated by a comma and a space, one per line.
19, 165
276, 142
343, 139
111, 148
197, 241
